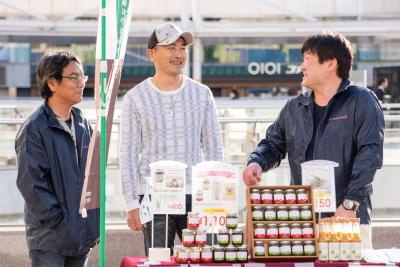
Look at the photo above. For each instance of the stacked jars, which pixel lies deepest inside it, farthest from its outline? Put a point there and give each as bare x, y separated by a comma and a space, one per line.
230, 241
283, 222
194, 241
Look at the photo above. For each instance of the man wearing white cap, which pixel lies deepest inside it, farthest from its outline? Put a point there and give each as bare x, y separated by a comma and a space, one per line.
166, 117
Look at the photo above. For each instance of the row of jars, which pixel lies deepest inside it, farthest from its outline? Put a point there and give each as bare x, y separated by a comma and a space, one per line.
228, 237
209, 254
283, 230
285, 248
279, 196
191, 238
281, 213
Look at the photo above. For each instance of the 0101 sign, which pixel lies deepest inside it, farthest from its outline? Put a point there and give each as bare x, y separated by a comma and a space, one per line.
213, 220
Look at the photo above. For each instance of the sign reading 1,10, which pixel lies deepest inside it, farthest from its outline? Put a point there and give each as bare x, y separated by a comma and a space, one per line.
213, 220
272, 68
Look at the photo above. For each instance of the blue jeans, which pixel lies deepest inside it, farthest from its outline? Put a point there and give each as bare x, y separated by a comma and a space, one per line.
41, 258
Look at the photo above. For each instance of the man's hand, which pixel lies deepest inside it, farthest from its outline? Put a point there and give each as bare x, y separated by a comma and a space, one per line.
342, 212
133, 220
252, 174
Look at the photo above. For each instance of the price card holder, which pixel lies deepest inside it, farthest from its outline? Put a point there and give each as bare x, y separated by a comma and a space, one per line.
321, 175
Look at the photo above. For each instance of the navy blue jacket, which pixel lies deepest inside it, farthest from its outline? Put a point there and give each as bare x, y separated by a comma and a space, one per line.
350, 133
50, 179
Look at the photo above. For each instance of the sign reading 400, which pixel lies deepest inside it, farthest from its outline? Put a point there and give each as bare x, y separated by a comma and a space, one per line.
272, 68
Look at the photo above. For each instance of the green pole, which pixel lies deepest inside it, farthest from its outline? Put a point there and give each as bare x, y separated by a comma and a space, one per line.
103, 136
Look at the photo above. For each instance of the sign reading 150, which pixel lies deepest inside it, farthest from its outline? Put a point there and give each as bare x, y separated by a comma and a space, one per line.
272, 68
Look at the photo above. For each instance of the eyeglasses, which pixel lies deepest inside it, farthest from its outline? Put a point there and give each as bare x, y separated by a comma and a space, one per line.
77, 79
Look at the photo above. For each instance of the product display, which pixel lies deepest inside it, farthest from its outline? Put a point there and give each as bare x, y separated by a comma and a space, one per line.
231, 221
193, 220
283, 229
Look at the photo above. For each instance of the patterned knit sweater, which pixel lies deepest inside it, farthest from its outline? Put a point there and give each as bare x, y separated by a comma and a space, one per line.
180, 125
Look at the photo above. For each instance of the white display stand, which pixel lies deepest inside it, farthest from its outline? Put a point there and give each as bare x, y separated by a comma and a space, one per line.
321, 175
215, 193
168, 180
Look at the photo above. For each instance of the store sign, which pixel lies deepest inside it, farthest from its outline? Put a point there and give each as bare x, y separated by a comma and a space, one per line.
215, 193
272, 68
321, 175
169, 187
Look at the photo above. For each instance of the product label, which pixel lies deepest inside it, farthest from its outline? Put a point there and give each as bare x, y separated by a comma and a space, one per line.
297, 250
308, 232
266, 198
279, 198
259, 232
223, 238
302, 198
257, 215
294, 215
334, 251
295, 233
285, 250
273, 251
282, 215
345, 251
323, 251
290, 198
272, 232
237, 239
306, 215
255, 197
356, 251
219, 255
270, 215
309, 250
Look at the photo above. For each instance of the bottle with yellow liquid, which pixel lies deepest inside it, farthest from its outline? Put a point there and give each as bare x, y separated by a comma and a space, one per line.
347, 238
336, 239
323, 239
356, 240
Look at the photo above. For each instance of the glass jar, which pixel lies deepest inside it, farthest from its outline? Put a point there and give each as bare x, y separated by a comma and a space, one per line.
273, 248
290, 196
309, 248
257, 213
294, 213
194, 255
270, 213
305, 213
237, 237
307, 230
187, 238
193, 220
206, 254
255, 196
219, 254
242, 254
259, 249
302, 196
201, 237
282, 213
279, 197
272, 231
231, 220
284, 230
297, 248
223, 237
266, 196
259, 231
285, 249
182, 254
295, 230
230, 254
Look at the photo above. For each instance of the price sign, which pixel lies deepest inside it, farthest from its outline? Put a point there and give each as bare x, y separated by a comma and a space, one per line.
321, 175
169, 187
215, 193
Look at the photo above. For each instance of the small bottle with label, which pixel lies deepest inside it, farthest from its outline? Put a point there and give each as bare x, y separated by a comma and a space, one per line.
259, 231
242, 254
294, 213
188, 238
309, 248
223, 237
272, 231
230, 254
231, 220
257, 213
302, 196
206, 254
273, 248
219, 254
307, 230
295, 230
259, 249
237, 237
282, 213
285, 248
284, 230
266, 196
297, 248
279, 197
290, 196
193, 220
255, 196
270, 213
194, 255
305, 213
201, 237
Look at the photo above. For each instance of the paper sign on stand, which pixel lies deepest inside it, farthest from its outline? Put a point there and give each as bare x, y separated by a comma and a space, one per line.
146, 210
169, 197
215, 193
321, 175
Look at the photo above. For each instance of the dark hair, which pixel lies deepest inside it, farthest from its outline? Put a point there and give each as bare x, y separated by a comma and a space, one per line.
331, 45
381, 80
51, 65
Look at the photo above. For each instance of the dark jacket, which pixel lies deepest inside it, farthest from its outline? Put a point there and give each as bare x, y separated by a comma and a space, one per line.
379, 93
50, 179
350, 133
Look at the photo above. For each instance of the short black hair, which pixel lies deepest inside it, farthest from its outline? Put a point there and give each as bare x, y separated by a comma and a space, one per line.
51, 65
381, 80
331, 45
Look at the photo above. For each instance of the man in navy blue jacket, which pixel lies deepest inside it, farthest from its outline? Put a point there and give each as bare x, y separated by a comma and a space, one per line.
333, 121
52, 147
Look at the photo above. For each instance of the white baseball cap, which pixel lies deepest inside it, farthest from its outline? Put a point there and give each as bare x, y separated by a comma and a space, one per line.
168, 33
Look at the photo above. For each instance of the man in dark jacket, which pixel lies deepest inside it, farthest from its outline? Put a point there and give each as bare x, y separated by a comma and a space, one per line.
334, 121
52, 147
379, 91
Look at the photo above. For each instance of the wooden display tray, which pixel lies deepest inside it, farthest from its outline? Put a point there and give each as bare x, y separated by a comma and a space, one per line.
250, 226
